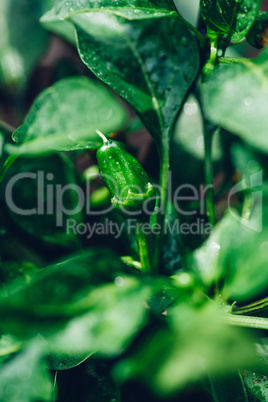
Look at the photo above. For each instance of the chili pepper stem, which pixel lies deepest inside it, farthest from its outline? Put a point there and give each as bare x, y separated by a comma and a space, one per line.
144, 252
102, 136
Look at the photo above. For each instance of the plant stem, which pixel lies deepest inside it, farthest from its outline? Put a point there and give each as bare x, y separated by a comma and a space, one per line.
253, 307
209, 175
164, 182
247, 321
7, 165
144, 250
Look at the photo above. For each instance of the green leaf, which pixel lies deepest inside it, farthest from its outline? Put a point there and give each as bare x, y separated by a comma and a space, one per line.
19, 53
151, 64
258, 34
129, 9
83, 305
25, 378
236, 255
42, 213
189, 133
61, 28
256, 386
65, 361
230, 16
116, 313
11, 270
197, 341
236, 97
65, 117
8, 346
58, 292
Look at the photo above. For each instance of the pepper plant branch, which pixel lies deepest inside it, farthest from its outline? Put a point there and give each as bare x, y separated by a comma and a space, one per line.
208, 137
144, 250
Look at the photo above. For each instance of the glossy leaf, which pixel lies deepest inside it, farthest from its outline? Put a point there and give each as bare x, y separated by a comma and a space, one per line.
19, 53
230, 16
65, 117
36, 210
129, 9
151, 64
24, 378
256, 385
236, 97
61, 28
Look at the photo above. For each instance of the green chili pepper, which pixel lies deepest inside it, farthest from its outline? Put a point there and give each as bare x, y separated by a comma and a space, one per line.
125, 178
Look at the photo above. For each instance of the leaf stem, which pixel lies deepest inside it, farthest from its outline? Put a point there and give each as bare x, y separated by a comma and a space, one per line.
10, 160
208, 136
144, 250
247, 321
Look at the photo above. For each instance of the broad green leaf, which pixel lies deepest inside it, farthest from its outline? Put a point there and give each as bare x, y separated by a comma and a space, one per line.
37, 210
24, 378
151, 64
235, 255
65, 117
116, 313
256, 386
129, 9
83, 305
197, 341
236, 97
19, 53
230, 16
62, 28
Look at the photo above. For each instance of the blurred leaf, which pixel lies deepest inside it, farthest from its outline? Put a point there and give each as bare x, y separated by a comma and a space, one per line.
29, 192
8, 346
65, 117
25, 379
151, 64
19, 53
56, 293
244, 84
197, 342
102, 318
189, 132
230, 16
129, 9
258, 34
116, 314
11, 270
235, 255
